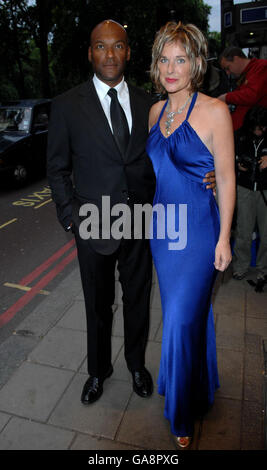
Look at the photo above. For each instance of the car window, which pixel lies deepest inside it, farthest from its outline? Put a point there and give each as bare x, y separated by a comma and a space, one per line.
41, 118
15, 119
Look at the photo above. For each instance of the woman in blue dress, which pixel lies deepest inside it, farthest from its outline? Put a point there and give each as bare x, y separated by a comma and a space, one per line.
190, 135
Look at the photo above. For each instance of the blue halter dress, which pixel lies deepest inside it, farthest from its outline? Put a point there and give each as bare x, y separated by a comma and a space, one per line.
188, 375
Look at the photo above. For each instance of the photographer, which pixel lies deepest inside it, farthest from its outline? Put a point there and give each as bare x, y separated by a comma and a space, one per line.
251, 76
251, 157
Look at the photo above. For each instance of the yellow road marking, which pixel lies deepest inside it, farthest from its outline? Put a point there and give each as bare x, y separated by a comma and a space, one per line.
7, 223
25, 288
43, 203
35, 198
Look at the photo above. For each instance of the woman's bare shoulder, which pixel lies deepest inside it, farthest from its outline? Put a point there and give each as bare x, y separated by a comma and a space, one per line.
155, 112
212, 105
213, 109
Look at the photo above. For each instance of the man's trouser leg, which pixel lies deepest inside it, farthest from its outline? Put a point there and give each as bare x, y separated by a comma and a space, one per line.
135, 270
245, 223
98, 281
261, 263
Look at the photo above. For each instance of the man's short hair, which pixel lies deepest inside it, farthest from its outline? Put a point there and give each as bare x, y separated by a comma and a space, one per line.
110, 21
230, 52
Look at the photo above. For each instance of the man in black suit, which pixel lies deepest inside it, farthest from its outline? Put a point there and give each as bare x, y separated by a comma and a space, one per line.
81, 140
99, 136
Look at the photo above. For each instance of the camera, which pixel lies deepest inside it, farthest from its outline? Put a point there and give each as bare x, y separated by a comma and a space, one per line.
251, 163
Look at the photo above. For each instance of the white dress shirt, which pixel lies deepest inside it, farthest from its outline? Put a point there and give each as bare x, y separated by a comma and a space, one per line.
123, 97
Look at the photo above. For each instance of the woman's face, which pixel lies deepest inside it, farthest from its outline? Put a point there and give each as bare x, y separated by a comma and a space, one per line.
174, 68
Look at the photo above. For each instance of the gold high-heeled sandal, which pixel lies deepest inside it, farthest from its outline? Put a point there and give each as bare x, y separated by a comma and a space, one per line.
183, 442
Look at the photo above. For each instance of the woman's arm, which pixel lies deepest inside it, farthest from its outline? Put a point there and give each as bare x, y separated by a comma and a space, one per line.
223, 150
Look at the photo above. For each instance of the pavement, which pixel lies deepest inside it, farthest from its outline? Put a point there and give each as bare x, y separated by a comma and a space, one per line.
43, 369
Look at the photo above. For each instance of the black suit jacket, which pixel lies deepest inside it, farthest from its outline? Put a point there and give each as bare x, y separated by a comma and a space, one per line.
84, 162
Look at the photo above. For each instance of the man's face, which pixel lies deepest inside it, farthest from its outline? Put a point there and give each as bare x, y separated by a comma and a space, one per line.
259, 131
233, 68
109, 52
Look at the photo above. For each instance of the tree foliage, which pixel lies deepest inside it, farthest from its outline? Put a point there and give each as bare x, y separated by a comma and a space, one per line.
44, 43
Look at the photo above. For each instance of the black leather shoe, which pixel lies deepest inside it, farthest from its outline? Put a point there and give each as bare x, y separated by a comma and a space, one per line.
93, 388
142, 382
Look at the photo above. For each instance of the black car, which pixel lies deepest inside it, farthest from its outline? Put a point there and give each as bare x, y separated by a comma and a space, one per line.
23, 138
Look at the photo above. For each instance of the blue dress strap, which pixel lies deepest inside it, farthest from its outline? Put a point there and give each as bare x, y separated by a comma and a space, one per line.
191, 105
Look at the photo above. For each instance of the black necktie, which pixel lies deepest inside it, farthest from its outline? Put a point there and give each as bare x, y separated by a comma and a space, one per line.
119, 122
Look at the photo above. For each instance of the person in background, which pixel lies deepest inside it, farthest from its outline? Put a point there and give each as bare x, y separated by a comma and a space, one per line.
251, 155
251, 75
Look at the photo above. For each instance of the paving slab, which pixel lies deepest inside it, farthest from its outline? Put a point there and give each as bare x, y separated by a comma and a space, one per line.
220, 444
155, 301
75, 317
230, 334
144, 424
252, 426
118, 323
256, 303
34, 390
13, 351
230, 365
4, 418
118, 293
229, 304
101, 418
22, 434
155, 322
229, 286
158, 336
40, 397
87, 442
257, 326
254, 365
253, 388
62, 348
254, 344
222, 422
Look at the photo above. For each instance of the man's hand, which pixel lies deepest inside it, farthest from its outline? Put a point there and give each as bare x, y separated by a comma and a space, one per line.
69, 228
241, 167
263, 162
211, 180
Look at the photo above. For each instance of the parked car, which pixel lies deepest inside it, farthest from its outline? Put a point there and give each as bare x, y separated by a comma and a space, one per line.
23, 138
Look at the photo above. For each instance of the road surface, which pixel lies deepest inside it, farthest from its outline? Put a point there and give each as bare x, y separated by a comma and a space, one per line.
35, 252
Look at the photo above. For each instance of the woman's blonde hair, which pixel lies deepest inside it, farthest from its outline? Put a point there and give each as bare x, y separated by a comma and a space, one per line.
195, 45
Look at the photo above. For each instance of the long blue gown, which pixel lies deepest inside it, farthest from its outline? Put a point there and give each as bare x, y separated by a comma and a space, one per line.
188, 375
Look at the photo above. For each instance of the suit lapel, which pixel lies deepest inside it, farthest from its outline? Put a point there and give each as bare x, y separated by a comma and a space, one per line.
135, 120
94, 107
